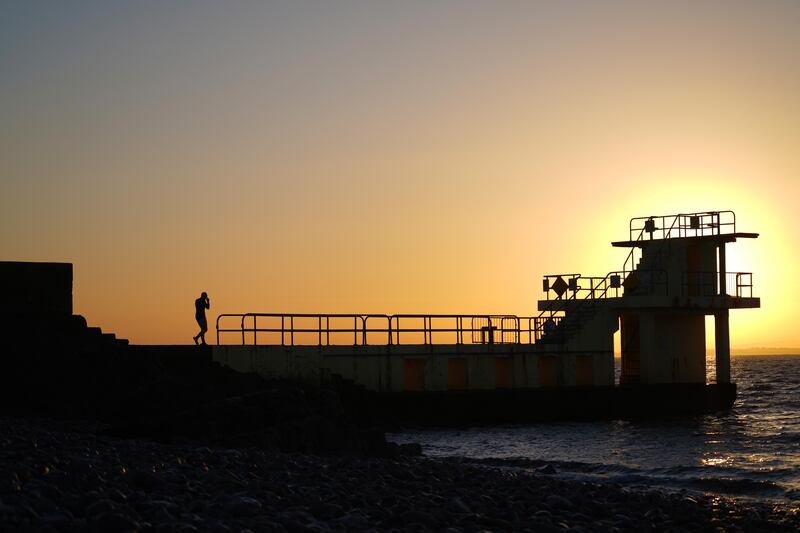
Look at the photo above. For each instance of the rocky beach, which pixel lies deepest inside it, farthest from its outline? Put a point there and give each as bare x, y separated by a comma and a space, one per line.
127, 440
73, 476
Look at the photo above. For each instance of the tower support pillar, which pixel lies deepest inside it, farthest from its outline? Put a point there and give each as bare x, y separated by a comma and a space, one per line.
723, 346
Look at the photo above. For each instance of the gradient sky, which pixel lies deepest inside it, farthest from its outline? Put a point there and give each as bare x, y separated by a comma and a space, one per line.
389, 157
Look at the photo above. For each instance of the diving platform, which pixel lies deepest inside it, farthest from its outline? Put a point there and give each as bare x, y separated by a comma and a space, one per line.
672, 278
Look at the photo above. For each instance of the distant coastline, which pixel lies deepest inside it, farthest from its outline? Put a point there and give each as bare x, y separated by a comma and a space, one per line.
761, 351
751, 351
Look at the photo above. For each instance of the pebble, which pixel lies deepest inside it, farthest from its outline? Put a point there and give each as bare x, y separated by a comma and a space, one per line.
192, 486
243, 506
558, 502
113, 522
547, 469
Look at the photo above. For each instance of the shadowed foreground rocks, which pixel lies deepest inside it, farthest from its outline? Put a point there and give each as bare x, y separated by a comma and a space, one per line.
139, 392
124, 440
57, 476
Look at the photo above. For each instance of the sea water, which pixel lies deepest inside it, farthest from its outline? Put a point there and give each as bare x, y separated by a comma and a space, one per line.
752, 451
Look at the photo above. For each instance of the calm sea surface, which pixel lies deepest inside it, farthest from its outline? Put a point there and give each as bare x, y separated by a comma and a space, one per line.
753, 451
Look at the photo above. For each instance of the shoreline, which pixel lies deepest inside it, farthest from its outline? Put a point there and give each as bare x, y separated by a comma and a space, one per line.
542, 466
71, 476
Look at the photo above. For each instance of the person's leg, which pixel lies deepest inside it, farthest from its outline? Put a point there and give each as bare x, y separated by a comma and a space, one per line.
203, 330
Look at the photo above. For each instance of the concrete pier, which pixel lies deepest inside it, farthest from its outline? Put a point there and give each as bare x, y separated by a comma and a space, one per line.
673, 277
417, 368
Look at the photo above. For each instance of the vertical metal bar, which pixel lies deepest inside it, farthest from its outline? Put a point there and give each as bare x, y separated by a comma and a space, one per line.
319, 330
291, 323
255, 332
282, 331
355, 331
327, 330
430, 330
723, 289
364, 328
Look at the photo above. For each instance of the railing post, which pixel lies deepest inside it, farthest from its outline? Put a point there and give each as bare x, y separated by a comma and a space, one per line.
319, 330
425, 329
255, 332
364, 327
723, 282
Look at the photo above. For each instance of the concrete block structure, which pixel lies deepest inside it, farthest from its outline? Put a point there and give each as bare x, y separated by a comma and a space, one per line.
35, 288
36, 309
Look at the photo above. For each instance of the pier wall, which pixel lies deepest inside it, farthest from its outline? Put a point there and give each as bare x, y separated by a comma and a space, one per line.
425, 367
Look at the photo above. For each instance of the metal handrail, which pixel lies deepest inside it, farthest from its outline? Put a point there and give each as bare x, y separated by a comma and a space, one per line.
700, 224
683, 223
601, 287
706, 283
468, 329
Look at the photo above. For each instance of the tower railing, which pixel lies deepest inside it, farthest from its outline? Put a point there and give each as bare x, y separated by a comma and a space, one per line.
706, 283
612, 285
682, 225
646, 281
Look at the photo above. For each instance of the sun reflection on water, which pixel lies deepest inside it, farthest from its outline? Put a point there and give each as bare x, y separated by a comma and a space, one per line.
716, 461
752, 451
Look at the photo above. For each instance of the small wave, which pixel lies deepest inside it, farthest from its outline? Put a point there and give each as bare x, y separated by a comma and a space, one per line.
746, 487
693, 478
738, 486
760, 387
791, 437
576, 467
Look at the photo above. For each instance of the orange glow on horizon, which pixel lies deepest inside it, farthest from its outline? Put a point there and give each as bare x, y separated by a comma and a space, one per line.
287, 159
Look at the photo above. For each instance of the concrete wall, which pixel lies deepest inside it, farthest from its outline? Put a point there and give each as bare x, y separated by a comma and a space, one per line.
35, 288
683, 259
429, 368
672, 348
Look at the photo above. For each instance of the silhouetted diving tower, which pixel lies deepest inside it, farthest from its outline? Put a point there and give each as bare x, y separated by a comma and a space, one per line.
674, 276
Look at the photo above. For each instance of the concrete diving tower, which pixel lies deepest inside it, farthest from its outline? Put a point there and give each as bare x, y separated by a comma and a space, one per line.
674, 275
557, 364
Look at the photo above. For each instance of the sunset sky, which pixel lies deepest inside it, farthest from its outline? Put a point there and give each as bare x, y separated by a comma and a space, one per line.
389, 157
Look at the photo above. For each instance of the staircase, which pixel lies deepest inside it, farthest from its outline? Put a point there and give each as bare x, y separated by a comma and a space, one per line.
71, 332
80, 335
571, 322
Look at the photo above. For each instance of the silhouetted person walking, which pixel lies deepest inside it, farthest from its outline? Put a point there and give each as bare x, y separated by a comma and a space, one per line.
200, 306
